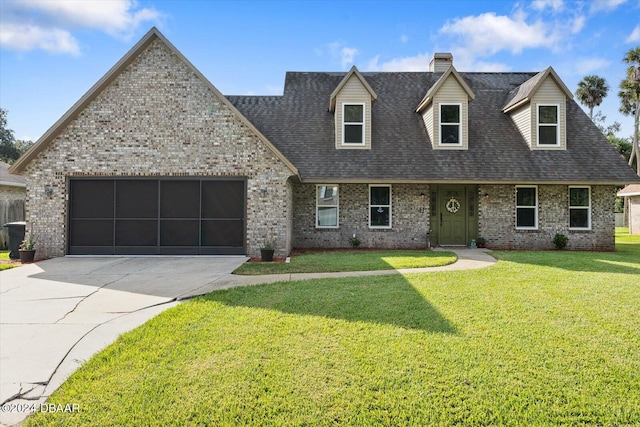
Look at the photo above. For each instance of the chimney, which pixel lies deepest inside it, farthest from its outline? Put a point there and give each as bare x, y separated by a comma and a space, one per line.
441, 62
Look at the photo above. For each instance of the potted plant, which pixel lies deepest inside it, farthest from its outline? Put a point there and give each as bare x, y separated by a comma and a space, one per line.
27, 250
481, 242
266, 252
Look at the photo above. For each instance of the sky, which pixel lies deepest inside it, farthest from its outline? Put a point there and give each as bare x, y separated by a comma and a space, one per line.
53, 51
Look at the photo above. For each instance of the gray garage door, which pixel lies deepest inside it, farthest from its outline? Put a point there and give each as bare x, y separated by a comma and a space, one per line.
157, 216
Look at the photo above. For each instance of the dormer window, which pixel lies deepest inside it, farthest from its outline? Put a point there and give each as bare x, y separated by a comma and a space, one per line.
548, 125
352, 105
450, 124
353, 124
538, 108
445, 111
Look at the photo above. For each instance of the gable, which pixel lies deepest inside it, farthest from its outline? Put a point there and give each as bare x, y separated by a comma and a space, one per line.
160, 70
356, 81
449, 91
543, 90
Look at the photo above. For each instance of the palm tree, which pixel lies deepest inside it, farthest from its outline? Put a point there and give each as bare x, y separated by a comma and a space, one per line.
630, 98
591, 91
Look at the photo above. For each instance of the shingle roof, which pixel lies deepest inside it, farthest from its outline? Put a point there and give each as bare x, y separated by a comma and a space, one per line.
524, 92
11, 180
300, 126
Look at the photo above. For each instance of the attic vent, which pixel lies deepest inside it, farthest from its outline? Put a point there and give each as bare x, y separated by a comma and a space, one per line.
441, 62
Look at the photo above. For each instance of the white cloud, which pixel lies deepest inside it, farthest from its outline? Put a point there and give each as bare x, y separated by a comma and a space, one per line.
605, 5
347, 55
419, 62
29, 37
586, 66
489, 67
49, 24
555, 5
634, 37
578, 24
404, 38
489, 33
344, 54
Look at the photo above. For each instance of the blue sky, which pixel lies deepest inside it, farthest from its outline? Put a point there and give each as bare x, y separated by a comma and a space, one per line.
53, 51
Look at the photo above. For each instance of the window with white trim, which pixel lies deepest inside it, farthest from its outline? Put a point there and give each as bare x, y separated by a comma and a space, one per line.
353, 124
548, 125
527, 208
380, 206
327, 206
580, 208
450, 124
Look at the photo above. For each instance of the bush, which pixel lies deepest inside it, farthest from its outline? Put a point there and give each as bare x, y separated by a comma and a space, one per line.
560, 240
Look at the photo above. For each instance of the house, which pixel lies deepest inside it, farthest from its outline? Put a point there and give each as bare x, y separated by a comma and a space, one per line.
632, 193
153, 159
12, 195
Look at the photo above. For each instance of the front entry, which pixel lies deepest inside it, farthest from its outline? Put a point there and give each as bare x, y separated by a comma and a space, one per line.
453, 214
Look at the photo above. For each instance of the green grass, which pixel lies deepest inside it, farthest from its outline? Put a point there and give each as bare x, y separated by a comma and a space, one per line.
540, 338
357, 260
4, 256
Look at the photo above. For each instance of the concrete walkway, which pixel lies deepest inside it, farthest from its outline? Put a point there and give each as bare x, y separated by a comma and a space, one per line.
56, 314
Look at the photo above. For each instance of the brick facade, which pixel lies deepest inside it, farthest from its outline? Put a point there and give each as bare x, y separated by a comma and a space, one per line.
497, 219
410, 218
158, 118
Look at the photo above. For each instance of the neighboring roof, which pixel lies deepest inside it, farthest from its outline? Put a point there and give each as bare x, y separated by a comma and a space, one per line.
353, 72
451, 71
108, 78
630, 190
300, 126
523, 93
10, 180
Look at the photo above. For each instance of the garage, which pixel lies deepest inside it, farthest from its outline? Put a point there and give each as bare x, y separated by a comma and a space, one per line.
166, 216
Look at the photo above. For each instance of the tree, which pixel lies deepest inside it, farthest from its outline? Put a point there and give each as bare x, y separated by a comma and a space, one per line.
10, 147
629, 95
600, 121
591, 91
8, 151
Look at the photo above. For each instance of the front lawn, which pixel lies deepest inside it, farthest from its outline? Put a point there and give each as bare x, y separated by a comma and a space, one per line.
5, 261
352, 260
540, 338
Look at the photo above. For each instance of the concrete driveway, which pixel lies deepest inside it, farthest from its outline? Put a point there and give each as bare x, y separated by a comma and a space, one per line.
55, 314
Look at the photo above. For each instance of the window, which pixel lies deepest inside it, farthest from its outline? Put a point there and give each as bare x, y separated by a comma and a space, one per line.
450, 124
327, 206
353, 124
579, 208
548, 128
380, 206
527, 208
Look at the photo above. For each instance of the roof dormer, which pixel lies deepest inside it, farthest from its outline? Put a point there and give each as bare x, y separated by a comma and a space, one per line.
445, 110
351, 103
538, 107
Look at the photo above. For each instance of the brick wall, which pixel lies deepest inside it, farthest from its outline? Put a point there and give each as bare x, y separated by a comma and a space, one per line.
497, 214
158, 118
410, 216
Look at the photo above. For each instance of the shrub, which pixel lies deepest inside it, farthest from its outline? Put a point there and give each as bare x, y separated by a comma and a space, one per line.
354, 241
560, 240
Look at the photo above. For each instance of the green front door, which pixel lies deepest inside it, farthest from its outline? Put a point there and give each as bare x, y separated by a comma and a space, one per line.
453, 215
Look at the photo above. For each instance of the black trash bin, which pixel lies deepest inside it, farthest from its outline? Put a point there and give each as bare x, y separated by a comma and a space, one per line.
16, 236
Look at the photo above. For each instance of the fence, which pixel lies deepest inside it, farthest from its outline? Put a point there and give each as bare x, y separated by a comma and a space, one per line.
10, 211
